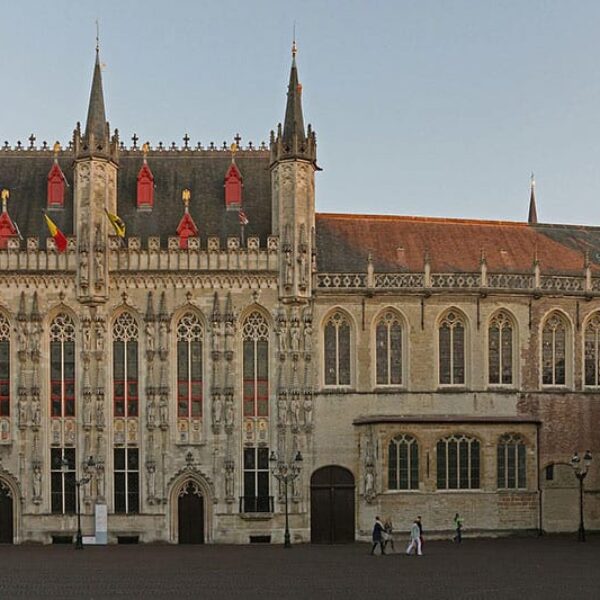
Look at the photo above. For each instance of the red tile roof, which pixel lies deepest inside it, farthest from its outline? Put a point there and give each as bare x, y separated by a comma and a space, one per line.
454, 245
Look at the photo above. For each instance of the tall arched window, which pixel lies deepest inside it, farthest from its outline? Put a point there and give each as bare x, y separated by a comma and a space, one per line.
500, 350
554, 350
189, 366
4, 366
62, 366
337, 350
511, 462
592, 351
452, 350
458, 463
388, 344
403, 463
255, 334
125, 366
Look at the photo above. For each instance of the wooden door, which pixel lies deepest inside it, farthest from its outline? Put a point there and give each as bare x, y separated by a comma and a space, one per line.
191, 514
332, 506
6, 515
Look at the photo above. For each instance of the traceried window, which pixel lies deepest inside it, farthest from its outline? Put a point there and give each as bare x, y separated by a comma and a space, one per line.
500, 350
62, 366
62, 480
125, 366
4, 367
388, 336
511, 462
403, 463
255, 335
189, 366
337, 350
127, 480
458, 463
592, 351
554, 350
452, 350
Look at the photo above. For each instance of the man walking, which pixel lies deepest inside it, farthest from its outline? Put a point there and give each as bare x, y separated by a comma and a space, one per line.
415, 539
378, 530
458, 528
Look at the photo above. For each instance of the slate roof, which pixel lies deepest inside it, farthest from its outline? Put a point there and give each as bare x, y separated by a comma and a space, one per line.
399, 244
24, 173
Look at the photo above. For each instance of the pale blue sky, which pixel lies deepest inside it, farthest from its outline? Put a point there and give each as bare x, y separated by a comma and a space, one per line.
420, 107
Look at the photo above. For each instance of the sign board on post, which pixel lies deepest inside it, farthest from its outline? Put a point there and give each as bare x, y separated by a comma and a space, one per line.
101, 517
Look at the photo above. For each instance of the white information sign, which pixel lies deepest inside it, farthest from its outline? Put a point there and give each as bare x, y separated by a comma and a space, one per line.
101, 524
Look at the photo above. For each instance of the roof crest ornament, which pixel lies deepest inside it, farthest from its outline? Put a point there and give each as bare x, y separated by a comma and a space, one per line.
5, 194
185, 196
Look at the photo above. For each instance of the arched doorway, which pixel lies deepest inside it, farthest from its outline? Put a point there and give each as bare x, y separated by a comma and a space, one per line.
332, 506
6, 514
190, 514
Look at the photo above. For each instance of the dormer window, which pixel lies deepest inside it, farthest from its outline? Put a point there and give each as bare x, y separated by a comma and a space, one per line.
56, 187
145, 188
233, 188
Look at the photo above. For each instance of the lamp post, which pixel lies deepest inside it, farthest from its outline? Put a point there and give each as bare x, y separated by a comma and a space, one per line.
581, 470
286, 473
90, 463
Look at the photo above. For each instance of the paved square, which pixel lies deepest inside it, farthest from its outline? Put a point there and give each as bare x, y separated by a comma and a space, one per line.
527, 568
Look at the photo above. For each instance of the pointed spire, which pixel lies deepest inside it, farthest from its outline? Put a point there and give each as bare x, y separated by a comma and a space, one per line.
293, 124
96, 125
532, 217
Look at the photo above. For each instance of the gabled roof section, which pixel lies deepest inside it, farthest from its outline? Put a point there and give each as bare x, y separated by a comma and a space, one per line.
400, 244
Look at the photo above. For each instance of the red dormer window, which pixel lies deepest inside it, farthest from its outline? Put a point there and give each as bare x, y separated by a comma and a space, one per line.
233, 188
56, 187
145, 188
186, 229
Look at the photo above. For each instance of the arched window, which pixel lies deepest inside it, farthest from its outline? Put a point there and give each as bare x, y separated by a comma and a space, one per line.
255, 334
554, 350
125, 366
388, 344
458, 463
4, 366
500, 350
403, 463
62, 366
511, 462
337, 350
189, 366
452, 350
592, 351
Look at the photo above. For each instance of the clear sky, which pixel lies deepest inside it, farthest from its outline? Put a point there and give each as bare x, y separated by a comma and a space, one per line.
436, 108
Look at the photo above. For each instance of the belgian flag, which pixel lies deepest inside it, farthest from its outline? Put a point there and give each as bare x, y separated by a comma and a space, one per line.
59, 237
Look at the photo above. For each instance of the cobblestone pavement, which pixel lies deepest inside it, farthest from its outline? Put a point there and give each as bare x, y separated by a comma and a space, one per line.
529, 568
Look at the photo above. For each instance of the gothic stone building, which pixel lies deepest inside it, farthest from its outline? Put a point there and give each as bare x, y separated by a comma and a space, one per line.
420, 366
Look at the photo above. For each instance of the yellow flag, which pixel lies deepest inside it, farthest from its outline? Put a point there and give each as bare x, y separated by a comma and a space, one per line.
117, 223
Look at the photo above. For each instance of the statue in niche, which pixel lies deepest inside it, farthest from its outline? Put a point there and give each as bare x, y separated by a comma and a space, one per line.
308, 411
302, 267
37, 483
151, 413
151, 479
295, 335
100, 410
150, 336
99, 325
163, 410
87, 409
22, 336
86, 334
229, 415
83, 269
229, 478
217, 410
36, 412
23, 411
282, 336
369, 484
100, 480
36, 332
295, 411
163, 337
99, 266
282, 409
307, 337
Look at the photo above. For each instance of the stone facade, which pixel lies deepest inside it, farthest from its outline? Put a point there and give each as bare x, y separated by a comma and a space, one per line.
272, 297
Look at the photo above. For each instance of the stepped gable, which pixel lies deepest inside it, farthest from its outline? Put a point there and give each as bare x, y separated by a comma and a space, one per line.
399, 244
24, 173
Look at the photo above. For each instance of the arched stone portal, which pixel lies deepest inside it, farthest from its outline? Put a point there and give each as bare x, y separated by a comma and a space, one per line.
190, 514
6, 514
332, 517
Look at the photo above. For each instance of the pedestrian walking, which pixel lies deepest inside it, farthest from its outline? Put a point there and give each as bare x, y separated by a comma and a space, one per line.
420, 523
415, 539
378, 531
458, 524
389, 534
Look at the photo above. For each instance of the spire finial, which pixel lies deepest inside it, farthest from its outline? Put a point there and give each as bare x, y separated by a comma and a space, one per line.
294, 47
145, 149
56, 150
233, 149
5, 196
97, 36
185, 196
532, 217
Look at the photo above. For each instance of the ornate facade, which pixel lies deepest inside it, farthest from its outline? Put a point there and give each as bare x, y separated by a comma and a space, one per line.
426, 366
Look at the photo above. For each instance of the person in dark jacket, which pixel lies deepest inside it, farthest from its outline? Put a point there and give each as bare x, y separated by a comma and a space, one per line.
378, 530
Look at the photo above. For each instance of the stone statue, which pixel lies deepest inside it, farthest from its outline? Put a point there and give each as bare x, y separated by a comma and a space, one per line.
151, 413
308, 411
99, 266
83, 269
36, 332
36, 411
229, 415
163, 410
295, 411
217, 409
37, 483
99, 335
151, 480
369, 484
86, 334
150, 336
295, 336
100, 410
302, 267
22, 336
288, 271
23, 412
307, 338
282, 410
100, 480
87, 410
229, 479
282, 336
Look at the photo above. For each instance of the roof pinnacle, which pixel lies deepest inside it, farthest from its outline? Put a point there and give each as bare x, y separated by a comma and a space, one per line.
532, 217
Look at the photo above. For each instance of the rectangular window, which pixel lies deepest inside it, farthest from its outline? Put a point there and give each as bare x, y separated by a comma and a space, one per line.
127, 477
256, 480
62, 480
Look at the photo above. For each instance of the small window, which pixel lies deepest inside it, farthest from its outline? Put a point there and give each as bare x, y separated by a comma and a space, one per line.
550, 473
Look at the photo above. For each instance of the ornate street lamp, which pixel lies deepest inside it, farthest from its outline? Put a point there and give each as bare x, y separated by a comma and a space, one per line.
89, 464
286, 473
581, 470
